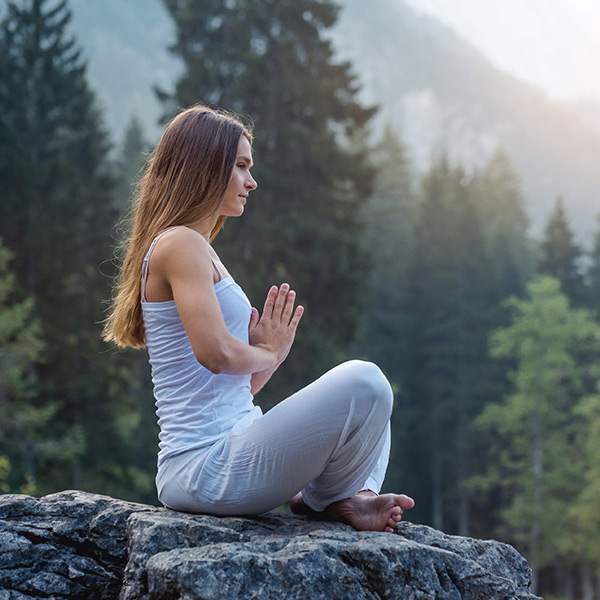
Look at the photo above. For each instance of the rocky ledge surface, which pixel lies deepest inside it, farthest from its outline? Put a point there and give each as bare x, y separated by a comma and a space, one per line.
79, 545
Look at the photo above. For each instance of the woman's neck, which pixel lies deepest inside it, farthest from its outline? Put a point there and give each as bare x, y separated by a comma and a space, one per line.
203, 228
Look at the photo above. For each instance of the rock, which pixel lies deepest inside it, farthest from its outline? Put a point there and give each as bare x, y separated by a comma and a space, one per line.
79, 545
68, 545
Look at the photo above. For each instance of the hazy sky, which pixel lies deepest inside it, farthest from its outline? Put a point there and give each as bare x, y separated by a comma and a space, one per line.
552, 43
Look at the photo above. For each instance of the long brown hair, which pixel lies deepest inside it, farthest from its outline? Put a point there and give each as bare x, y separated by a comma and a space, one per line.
183, 182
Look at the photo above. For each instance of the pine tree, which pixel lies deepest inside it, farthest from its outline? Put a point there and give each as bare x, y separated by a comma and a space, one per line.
537, 457
390, 216
581, 541
449, 303
271, 61
130, 161
505, 225
561, 256
56, 214
26, 438
593, 275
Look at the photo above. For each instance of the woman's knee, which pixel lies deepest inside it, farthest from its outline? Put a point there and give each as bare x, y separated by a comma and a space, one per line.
369, 381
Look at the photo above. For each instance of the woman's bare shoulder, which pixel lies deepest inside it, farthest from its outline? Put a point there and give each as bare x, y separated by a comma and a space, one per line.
182, 232
181, 247
182, 239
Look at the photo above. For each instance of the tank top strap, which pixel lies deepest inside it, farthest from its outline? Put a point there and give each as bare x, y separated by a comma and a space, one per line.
147, 258
217, 270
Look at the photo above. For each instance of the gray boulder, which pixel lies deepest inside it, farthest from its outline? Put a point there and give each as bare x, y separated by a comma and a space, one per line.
79, 545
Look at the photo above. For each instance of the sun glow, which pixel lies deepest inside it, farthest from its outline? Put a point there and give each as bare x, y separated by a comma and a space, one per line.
551, 43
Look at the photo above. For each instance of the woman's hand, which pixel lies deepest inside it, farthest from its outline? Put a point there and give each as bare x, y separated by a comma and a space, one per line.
276, 328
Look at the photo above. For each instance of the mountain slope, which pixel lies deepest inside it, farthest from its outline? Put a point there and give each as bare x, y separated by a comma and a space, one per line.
443, 95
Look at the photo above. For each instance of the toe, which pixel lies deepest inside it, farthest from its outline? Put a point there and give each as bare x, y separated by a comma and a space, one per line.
392, 523
405, 501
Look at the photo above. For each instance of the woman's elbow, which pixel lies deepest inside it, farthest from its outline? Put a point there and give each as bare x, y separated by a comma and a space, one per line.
215, 368
217, 362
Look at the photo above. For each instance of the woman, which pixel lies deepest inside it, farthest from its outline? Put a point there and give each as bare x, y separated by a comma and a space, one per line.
325, 449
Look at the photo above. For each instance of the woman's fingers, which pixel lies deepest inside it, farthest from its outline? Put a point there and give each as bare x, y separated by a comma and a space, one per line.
279, 307
288, 309
296, 318
280, 302
270, 303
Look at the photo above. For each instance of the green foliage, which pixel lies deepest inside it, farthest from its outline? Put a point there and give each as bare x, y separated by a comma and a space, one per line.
272, 62
56, 215
25, 442
536, 461
582, 536
20, 343
4, 471
583, 516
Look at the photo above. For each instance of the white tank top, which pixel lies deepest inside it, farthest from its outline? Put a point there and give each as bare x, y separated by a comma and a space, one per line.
195, 407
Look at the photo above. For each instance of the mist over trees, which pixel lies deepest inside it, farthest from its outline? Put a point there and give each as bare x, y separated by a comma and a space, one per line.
491, 339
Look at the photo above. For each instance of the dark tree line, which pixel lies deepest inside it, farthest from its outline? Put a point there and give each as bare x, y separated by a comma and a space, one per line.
57, 210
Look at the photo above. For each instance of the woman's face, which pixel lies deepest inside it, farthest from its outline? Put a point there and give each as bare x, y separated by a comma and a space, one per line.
241, 182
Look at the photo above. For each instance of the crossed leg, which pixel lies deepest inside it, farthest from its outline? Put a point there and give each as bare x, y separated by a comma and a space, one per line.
330, 440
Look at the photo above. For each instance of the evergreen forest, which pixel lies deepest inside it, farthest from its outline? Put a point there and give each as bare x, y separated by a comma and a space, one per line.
491, 338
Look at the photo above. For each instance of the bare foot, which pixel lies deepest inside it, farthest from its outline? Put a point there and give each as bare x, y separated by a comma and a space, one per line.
369, 512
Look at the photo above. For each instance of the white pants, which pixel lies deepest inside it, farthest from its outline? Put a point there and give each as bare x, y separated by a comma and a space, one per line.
330, 440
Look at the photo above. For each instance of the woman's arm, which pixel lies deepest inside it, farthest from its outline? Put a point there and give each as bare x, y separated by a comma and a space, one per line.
181, 267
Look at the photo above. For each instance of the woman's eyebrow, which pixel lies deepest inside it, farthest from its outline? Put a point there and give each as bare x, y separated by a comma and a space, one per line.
245, 159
